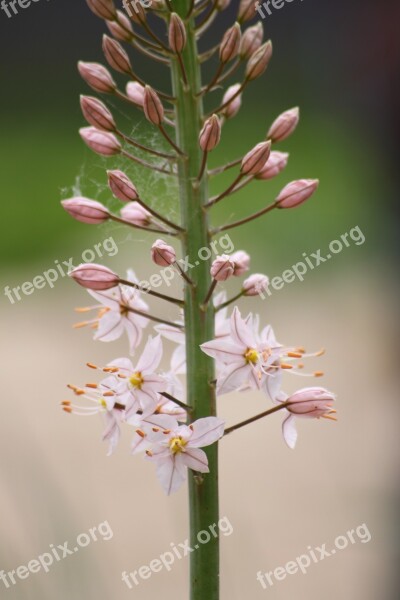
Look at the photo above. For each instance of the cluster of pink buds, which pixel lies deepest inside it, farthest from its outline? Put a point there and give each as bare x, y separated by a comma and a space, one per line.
136, 391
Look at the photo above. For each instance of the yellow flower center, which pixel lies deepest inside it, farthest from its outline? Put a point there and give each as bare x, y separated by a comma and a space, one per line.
177, 444
103, 403
136, 380
251, 356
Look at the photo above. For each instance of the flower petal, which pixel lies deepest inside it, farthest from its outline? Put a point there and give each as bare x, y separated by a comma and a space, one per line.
110, 327
289, 431
171, 473
151, 356
233, 377
196, 459
241, 331
206, 431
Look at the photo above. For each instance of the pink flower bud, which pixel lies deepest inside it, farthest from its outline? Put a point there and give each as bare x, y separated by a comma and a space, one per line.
163, 254
136, 214
86, 210
104, 9
116, 56
222, 4
255, 285
135, 10
210, 135
241, 262
152, 105
135, 91
251, 40
233, 107
121, 186
222, 268
101, 142
97, 114
312, 403
259, 61
246, 11
229, 47
254, 160
97, 77
296, 192
121, 29
275, 164
176, 33
284, 125
94, 277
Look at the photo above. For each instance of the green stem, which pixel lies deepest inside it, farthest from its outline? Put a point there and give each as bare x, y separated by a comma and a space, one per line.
199, 323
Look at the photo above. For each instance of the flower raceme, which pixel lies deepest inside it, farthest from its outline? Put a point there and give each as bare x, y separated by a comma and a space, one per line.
136, 391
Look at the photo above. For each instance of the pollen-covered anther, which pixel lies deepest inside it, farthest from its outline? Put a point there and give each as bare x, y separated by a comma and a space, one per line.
294, 355
166, 431
286, 366
141, 433
91, 366
66, 403
94, 386
156, 429
109, 394
67, 409
149, 453
318, 373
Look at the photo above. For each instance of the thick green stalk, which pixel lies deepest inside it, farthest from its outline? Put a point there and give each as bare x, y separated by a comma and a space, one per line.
199, 324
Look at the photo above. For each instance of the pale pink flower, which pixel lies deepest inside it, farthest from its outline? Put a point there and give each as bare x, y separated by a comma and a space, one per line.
241, 262
234, 105
104, 400
114, 316
135, 91
307, 403
178, 448
247, 359
222, 268
135, 213
141, 382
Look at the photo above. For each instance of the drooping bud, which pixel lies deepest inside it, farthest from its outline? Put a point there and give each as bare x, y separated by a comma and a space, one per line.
135, 213
152, 106
116, 56
296, 192
97, 77
97, 114
121, 186
251, 40
229, 47
135, 92
104, 9
86, 210
259, 61
162, 254
101, 142
284, 125
233, 107
176, 33
255, 285
275, 164
246, 11
222, 268
254, 160
311, 403
121, 29
241, 262
94, 277
210, 135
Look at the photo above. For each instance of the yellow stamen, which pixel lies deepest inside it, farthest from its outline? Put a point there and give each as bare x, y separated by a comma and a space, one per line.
251, 356
136, 380
177, 444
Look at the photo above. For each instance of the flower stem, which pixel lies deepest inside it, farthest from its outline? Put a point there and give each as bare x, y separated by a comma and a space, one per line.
256, 418
199, 324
